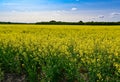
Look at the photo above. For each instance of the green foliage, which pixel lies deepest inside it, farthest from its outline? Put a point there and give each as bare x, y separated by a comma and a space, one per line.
1, 74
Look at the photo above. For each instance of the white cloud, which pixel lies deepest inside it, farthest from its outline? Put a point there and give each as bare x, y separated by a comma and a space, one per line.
101, 16
58, 15
98, 17
74, 9
114, 14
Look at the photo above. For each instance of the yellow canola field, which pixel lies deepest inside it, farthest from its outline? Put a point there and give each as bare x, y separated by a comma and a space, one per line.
66, 48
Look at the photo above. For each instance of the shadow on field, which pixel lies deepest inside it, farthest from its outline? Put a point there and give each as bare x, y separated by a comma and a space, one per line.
14, 78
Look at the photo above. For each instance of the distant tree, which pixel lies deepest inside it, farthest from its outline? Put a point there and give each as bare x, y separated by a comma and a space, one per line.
81, 22
52, 21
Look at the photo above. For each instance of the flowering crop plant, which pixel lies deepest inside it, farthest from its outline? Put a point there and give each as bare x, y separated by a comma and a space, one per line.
61, 53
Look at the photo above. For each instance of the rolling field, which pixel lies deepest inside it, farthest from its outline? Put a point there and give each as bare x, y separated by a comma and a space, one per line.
60, 53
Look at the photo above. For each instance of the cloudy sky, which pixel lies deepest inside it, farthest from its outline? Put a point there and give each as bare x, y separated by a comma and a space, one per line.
59, 10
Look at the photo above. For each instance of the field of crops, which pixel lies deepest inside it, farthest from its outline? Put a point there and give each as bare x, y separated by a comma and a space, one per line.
60, 53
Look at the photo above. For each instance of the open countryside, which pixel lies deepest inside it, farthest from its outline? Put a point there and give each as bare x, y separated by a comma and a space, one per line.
59, 40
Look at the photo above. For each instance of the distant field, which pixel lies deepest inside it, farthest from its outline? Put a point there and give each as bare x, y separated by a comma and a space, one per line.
61, 53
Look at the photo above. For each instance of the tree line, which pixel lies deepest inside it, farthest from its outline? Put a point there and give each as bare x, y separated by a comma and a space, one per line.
53, 22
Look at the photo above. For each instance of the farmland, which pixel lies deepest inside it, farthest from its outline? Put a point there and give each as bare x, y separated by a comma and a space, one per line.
60, 53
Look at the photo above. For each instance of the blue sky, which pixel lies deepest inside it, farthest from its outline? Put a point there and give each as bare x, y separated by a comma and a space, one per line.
59, 10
